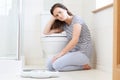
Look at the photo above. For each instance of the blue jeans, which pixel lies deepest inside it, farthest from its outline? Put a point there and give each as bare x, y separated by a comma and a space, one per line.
68, 62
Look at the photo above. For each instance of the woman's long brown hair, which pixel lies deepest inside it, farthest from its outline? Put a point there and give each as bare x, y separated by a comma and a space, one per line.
57, 23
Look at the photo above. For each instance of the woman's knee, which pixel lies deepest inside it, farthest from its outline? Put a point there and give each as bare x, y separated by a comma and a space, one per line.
49, 65
57, 66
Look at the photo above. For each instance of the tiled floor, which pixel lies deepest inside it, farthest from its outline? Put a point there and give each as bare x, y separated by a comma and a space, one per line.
10, 70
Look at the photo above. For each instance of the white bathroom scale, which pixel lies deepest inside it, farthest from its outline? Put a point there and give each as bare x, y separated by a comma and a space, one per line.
41, 74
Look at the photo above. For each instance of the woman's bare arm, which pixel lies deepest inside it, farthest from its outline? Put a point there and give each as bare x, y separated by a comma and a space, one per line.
73, 41
47, 29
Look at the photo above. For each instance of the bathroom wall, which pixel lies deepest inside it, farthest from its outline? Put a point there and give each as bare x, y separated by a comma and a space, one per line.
100, 3
74, 6
31, 47
103, 38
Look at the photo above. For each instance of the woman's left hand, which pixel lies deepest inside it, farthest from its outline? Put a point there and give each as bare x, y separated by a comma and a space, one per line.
56, 57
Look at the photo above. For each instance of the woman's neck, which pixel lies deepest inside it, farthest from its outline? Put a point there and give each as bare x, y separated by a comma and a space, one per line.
69, 20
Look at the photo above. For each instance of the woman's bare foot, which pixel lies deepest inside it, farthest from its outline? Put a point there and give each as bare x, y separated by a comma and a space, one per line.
86, 67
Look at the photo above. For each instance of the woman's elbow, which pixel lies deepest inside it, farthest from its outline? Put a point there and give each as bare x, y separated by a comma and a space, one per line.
45, 33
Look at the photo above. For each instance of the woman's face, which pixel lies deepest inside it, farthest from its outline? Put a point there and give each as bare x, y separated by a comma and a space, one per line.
60, 14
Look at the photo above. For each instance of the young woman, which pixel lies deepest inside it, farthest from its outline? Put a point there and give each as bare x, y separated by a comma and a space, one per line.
76, 54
